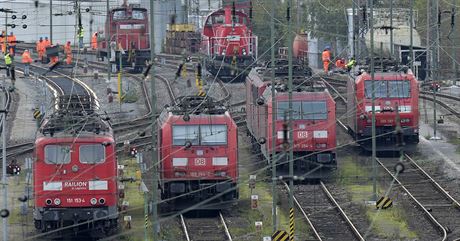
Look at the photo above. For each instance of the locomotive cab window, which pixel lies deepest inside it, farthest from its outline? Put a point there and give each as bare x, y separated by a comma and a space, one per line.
205, 135
388, 88
91, 154
57, 154
303, 110
138, 14
182, 134
213, 134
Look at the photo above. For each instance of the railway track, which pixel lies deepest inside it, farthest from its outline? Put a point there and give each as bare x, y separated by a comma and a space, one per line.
434, 201
324, 215
205, 229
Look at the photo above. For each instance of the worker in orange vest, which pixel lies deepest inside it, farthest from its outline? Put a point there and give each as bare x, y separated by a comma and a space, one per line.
40, 49
94, 41
26, 60
2, 42
12, 44
47, 42
68, 53
326, 57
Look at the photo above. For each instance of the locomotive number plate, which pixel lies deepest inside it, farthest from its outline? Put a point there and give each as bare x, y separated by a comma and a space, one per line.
302, 134
200, 162
75, 200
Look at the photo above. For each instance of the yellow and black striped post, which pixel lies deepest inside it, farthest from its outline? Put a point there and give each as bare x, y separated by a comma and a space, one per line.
184, 70
199, 81
291, 224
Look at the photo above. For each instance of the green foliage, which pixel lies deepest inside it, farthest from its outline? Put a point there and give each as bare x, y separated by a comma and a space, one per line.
326, 19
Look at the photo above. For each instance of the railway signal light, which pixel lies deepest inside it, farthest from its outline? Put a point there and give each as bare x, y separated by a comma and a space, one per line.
133, 152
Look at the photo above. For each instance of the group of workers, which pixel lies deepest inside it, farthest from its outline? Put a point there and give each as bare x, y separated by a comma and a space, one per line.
8, 49
8, 40
340, 63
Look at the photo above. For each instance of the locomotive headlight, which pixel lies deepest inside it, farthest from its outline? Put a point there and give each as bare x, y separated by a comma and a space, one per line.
362, 117
93, 201
48, 202
244, 51
220, 174
102, 200
405, 120
321, 145
224, 52
57, 201
179, 174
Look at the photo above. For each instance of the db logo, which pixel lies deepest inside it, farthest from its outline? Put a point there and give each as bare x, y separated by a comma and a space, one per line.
302, 134
200, 162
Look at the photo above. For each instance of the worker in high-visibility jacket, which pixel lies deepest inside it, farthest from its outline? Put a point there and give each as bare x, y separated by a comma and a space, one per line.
40, 49
326, 57
26, 60
81, 34
12, 44
94, 41
8, 63
47, 42
351, 63
68, 53
3, 42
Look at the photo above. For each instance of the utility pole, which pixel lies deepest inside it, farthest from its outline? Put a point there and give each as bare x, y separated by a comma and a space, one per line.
4, 180
154, 139
411, 33
454, 51
391, 30
274, 114
51, 21
107, 40
435, 59
374, 152
291, 139
358, 23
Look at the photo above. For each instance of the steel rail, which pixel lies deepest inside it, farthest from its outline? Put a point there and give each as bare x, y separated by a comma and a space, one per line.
184, 227
227, 232
342, 213
315, 232
434, 182
433, 220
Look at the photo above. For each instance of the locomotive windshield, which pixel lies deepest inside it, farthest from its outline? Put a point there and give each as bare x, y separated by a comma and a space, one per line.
122, 14
91, 154
201, 135
303, 110
388, 88
57, 154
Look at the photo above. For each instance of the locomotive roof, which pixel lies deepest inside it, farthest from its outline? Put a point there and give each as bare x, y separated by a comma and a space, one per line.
195, 105
301, 77
75, 114
73, 123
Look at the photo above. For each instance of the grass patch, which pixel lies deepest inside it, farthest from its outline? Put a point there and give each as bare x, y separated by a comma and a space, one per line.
390, 223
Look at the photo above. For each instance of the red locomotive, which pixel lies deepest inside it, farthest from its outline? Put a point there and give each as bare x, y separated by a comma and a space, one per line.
396, 108
75, 172
198, 143
128, 26
228, 43
314, 127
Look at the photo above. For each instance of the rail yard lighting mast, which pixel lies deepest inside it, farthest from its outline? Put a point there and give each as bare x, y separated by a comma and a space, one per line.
274, 114
374, 144
154, 150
